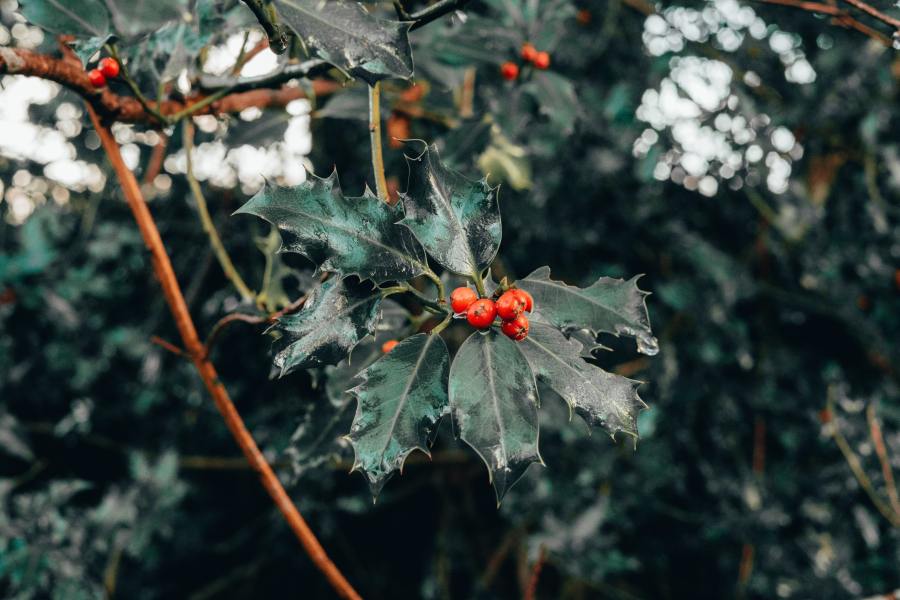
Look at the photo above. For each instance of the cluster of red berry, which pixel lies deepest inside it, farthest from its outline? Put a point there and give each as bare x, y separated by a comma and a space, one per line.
108, 68
540, 59
510, 307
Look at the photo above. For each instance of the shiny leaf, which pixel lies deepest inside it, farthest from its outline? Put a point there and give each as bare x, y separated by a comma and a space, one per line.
457, 220
493, 399
351, 236
610, 305
401, 398
81, 18
601, 398
334, 319
347, 36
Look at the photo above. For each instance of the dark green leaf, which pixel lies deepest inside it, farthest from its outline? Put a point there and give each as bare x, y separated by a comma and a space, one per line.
352, 236
347, 36
86, 48
610, 305
334, 319
555, 95
493, 399
81, 18
132, 18
601, 398
401, 398
457, 220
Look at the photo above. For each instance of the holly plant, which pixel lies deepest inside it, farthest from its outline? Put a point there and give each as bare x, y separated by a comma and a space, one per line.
529, 334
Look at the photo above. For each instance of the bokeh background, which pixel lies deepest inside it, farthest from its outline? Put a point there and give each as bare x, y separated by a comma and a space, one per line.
744, 156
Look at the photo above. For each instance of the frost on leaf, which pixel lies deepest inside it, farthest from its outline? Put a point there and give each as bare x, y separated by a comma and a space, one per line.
493, 400
601, 398
344, 34
334, 319
608, 305
351, 236
457, 220
400, 400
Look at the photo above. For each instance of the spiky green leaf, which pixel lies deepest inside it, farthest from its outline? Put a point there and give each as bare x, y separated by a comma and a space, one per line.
493, 400
81, 18
608, 305
347, 36
400, 400
456, 219
334, 319
601, 398
132, 18
351, 236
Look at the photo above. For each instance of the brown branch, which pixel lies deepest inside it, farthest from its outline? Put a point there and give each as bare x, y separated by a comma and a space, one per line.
168, 346
883, 458
531, 590
262, 92
841, 17
157, 157
227, 320
875, 13
162, 266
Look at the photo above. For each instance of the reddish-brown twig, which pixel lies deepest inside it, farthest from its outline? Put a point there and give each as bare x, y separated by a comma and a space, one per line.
881, 450
531, 590
154, 165
162, 266
69, 73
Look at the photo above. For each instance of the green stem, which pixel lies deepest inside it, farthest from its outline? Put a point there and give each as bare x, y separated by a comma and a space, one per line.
442, 298
199, 105
133, 86
375, 139
208, 225
479, 282
442, 325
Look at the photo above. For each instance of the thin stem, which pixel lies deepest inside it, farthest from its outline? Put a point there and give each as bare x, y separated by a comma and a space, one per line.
875, 13
206, 219
883, 458
162, 265
375, 139
268, 20
479, 282
442, 325
428, 302
856, 467
133, 86
201, 104
434, 12
442, 298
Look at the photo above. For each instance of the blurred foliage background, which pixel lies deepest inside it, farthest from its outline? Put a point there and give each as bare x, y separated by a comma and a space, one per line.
744, 156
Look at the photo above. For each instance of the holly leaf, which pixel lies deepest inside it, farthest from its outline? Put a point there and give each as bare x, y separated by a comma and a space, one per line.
455, 219
351, 236
556, 97
601, 398
494, 400
609, 305
81, 18
131, 18
86, 48
400, 400
347, 36
333, 320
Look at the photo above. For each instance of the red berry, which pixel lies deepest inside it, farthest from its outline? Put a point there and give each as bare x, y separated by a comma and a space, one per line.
510, 305
481, 313
529, 52
526, 297
109, 67
542, 60
98, 80
388, 346
509, 70
516, 329
461, 298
